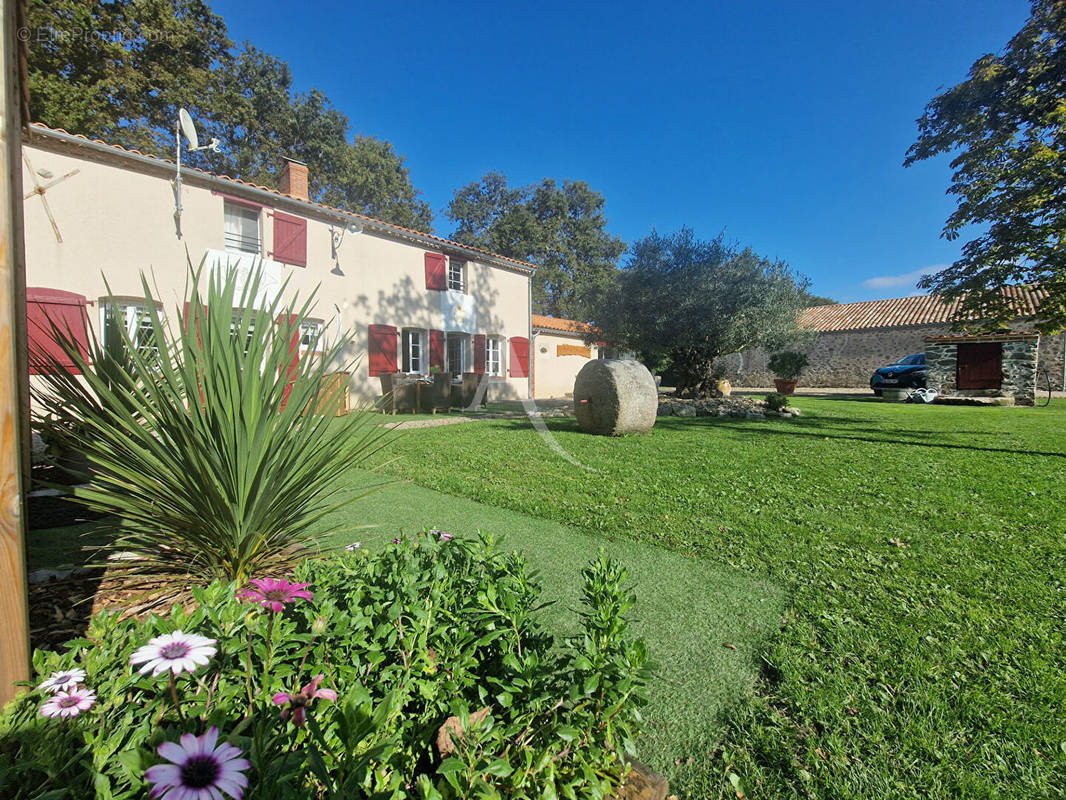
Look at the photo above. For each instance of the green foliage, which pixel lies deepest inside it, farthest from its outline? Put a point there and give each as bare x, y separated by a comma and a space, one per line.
817, 300
924, 650
787, 364
425, 630
1005, 128
120, 71
692, 301
775, 401
200, 442
559, 227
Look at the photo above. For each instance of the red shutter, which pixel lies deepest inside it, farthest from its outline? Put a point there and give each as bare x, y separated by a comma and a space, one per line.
519, 357
294, 355
49, 311
479, 354
382, 350
436, 349
290, 239
436, 271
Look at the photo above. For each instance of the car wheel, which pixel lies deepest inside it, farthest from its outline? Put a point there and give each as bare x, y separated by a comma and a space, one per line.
877, 392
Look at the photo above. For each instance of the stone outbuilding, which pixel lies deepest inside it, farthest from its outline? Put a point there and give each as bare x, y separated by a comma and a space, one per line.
984, 365
851, 340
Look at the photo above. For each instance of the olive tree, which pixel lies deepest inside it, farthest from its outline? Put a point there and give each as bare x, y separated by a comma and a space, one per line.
689, 301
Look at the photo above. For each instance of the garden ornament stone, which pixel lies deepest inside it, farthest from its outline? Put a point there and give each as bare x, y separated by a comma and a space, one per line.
615, 397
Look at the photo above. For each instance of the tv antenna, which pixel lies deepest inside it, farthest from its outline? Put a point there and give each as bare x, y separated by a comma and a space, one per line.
336, 235
186, 126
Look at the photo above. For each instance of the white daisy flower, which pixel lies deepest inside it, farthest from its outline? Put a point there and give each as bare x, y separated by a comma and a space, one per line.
63, 681
177, 652
68, 704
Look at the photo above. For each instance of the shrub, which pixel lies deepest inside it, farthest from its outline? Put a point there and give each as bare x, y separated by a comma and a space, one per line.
775, 401
787, 364
427, 635
206, 440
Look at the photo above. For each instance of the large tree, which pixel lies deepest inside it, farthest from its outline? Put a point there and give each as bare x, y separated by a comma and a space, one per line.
262, 119
560, 227
1006, 129
119, 70
691, 301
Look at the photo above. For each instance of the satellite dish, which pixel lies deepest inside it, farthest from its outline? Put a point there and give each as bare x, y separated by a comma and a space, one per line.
189, 129
355, 227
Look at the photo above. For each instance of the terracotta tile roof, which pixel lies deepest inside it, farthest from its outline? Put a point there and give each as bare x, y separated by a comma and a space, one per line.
186, 169
556, 324
903, 311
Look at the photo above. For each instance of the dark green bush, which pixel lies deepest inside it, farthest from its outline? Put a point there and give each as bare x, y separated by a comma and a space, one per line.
787, 364
775, 401
426, 630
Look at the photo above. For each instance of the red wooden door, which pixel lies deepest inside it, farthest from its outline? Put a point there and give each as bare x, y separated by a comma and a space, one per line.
979, 365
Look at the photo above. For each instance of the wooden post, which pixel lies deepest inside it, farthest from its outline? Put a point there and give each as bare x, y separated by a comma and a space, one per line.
14, 621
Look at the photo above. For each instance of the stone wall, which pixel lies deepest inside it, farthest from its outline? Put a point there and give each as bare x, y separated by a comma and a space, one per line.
1019, 366
849, 358
940, 358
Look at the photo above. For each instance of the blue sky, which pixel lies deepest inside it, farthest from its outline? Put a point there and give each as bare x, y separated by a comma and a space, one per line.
783, 123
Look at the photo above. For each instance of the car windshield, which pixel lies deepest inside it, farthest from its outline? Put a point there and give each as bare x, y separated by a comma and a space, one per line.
917, 358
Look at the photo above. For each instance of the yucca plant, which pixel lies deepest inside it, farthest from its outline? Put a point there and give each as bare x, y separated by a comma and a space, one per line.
205, 437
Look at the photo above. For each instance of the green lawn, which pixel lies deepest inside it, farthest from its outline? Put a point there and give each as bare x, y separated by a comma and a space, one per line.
706, 625
923, 551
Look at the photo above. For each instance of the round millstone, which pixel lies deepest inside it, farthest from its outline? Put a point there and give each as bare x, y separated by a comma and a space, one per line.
614, 397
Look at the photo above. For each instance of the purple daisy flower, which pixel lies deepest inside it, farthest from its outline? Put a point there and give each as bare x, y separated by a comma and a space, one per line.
198, 770
298, 702
396, 541
65, 680
178, 652
68, 704
272, 594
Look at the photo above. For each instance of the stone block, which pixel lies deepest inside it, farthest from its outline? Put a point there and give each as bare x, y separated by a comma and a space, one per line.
615, 397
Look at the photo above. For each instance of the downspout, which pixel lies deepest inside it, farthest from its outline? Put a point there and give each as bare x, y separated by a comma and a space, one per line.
532, 351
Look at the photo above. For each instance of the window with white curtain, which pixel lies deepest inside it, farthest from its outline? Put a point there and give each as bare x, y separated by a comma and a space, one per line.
242, 229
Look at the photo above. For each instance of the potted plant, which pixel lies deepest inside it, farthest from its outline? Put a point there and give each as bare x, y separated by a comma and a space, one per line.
787, 366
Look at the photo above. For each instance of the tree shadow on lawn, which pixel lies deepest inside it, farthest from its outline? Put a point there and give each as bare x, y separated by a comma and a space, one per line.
857, 430
814, 427
914, 438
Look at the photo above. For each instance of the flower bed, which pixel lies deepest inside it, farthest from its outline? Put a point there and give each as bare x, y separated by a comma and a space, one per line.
420, 671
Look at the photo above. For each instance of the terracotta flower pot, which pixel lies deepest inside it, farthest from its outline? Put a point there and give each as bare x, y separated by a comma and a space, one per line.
785, 386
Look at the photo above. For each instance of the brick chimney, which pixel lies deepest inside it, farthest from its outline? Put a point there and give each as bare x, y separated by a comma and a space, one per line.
294, 179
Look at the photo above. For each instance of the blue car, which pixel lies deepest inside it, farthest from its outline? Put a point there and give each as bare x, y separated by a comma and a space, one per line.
907, 373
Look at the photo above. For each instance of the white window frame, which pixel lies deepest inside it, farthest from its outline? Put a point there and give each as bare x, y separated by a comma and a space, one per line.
312, 331
413, 342
494, 356
133, 313
238, 242
456, 274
